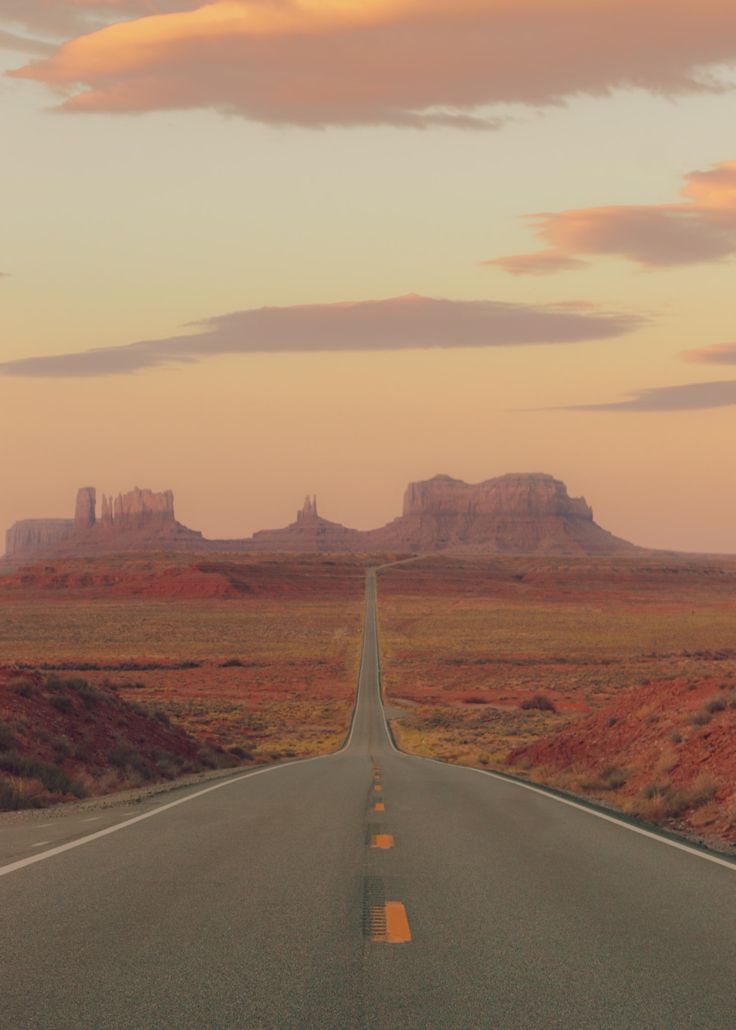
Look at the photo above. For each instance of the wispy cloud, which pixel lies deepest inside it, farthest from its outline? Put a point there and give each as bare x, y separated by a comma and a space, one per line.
700, 228
400, 323
24, 44
541, 262
64, 18
688, 397
716, 354
402, 62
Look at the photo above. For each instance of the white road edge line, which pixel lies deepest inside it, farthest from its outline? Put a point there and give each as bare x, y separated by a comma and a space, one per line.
23, 862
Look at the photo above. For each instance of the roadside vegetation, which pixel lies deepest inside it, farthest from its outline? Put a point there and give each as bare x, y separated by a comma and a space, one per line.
611, 679
252, 661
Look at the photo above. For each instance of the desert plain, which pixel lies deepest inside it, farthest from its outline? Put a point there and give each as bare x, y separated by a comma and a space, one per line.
611, 678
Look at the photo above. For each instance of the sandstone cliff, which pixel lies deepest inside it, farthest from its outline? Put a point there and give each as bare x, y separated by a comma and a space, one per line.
137, 520
85, 513
523, 514
527, 513
36, 536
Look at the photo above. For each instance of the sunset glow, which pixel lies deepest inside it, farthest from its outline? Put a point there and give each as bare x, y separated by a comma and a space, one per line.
260, 249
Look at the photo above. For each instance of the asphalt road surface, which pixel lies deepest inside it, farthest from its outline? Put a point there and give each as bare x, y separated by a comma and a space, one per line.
365, 889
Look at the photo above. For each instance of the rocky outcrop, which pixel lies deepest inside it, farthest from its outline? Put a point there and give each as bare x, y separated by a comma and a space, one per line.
309, 533
85, 514
139, 508
308, 512
520, 514
138, 520
531, 494
525, 514
36, 536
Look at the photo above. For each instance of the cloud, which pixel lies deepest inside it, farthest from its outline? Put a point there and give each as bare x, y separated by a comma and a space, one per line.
402, 62
541, 262
24, 44
701, 228
690, 397
401, 323
60, 19
717, 354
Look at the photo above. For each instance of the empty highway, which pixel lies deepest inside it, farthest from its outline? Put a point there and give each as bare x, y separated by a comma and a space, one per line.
365, 889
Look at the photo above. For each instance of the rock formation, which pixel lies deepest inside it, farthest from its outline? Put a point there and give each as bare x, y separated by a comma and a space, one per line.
138, 520
309, 533
85, 514
521, 514
309, 512
36, 536
140, 508
106, 513
528, 513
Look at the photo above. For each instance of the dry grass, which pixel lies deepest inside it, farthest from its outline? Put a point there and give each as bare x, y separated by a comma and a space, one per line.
470, 646
271, 673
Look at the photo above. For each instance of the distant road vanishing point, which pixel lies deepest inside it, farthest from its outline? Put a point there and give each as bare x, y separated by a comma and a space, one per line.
364, 889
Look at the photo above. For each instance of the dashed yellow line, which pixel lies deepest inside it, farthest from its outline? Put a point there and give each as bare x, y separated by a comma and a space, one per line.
379, 807
382, 841
389, 923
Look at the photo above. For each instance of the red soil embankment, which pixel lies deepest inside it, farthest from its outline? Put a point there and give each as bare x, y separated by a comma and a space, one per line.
62, 738
664, 751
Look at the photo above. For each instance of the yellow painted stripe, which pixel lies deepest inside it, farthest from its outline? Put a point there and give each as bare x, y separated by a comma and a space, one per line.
379, 806
384, 841
378, 788
389, 924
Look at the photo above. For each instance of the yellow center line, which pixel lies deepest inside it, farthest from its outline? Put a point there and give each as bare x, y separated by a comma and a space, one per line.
389, 923
379, 806
384, 841
378, 788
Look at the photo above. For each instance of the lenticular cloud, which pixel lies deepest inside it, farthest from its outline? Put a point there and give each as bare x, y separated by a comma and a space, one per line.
401, 323
401, 62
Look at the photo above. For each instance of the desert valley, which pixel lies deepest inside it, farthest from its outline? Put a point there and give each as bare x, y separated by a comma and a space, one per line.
516, 635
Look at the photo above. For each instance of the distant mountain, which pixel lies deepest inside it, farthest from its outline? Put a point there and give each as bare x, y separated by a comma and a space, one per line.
519, 514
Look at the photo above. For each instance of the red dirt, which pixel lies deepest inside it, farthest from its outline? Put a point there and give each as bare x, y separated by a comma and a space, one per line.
185, 580
62, 738
664, 738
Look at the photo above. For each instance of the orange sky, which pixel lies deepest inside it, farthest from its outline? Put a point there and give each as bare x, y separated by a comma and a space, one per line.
265, 250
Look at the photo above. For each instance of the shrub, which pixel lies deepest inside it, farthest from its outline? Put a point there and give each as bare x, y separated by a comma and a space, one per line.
63, 704
51, 776
7, 737
24, 688
127, 758
715, 704
240, 752
660, 801
540, 702
614, 777
611, 778
232, 663
700, 718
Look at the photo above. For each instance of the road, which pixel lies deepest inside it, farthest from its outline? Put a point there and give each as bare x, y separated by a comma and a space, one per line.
263, 902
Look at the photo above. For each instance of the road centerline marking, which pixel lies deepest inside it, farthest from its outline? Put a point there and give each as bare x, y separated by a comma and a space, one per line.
382, 841
389, 924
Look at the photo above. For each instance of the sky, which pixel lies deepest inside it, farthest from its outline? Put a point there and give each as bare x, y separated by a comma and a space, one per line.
256, 249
